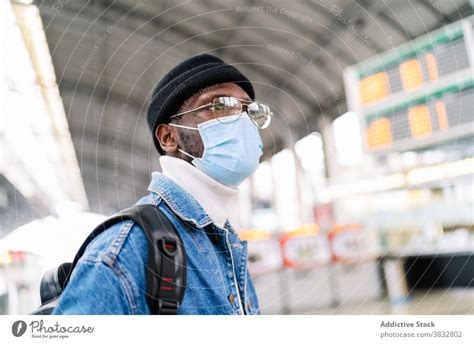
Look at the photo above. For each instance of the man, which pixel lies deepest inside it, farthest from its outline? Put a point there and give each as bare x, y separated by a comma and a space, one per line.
205, 123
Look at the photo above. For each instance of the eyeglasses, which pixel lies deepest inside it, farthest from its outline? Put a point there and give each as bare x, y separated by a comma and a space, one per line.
223, 107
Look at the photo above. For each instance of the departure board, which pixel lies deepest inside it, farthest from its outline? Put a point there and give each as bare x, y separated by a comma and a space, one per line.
416, 95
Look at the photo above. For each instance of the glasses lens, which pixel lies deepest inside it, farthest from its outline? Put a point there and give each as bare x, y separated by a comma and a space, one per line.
260, 114
223, 107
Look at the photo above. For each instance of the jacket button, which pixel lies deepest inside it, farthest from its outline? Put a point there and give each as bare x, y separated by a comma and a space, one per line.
215, 239
231, 298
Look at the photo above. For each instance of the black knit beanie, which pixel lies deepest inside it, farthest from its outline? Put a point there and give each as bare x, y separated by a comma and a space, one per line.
186, 79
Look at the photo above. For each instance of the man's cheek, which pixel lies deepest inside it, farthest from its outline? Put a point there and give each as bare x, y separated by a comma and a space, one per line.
192, 143
198, 146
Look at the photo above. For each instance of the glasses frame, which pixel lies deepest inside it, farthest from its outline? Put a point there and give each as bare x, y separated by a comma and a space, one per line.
211, 106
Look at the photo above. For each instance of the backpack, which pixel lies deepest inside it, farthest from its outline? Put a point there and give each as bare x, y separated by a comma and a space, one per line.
165, 268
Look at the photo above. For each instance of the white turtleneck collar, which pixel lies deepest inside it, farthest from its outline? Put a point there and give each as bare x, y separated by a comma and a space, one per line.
218, 200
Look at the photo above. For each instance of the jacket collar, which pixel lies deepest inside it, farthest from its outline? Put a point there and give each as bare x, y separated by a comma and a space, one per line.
179, 200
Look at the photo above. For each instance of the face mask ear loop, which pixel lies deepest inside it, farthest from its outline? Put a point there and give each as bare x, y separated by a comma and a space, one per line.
182, 126
182, 151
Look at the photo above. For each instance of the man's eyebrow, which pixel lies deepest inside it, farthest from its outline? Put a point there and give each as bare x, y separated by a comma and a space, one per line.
205, 98
210, 97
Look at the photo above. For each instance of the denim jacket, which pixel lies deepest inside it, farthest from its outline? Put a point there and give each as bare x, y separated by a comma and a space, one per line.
110, 276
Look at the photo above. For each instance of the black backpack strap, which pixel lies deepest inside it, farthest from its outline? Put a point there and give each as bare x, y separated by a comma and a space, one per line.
166, 266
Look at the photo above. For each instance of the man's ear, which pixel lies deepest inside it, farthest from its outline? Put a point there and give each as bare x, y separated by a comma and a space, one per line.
167, 136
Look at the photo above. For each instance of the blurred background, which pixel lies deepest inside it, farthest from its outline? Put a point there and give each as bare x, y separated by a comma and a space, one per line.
363, 202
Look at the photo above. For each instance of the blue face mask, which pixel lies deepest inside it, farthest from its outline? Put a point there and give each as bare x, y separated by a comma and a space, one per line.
231, 150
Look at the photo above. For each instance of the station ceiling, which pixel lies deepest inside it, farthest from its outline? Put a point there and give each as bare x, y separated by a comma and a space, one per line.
109, 54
